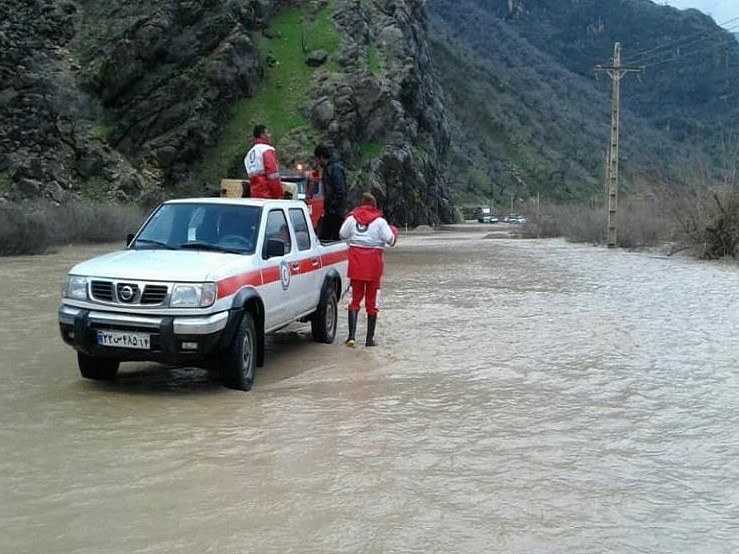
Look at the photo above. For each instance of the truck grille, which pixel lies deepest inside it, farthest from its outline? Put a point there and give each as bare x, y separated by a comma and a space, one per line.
154, 294
127, 293
102, 290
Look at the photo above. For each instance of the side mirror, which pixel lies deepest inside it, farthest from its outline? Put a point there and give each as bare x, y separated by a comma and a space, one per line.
129, 239
274, 248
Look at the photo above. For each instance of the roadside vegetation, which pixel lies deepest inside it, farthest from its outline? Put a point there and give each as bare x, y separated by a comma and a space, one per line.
37, 228
641, 222
702, 223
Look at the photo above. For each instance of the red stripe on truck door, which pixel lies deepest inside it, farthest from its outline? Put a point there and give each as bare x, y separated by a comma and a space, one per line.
229, 286
335, 257
310, 264
271, 274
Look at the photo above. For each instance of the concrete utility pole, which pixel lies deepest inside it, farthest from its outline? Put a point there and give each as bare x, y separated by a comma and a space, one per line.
616, 72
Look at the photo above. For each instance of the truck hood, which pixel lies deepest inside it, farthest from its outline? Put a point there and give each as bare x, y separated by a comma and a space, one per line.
161, 265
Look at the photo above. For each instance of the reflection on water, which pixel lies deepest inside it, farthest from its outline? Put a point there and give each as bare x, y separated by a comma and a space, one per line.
528, 396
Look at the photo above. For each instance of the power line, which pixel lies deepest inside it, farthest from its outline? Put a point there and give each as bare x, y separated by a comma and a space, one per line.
657, 55
639, 53
680, 56
638, 56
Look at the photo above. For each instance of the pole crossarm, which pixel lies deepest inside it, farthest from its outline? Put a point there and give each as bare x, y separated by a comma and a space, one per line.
618, 72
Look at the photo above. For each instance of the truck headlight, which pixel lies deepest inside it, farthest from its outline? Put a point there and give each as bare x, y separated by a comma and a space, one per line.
75, 287
193, 295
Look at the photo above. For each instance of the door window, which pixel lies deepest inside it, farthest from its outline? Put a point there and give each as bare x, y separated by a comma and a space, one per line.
277, 229
300, 226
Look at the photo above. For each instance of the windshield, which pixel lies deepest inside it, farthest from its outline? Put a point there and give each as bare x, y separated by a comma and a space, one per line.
215, 227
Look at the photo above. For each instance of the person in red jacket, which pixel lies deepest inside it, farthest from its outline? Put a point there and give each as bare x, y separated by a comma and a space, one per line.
261, 166
368, 233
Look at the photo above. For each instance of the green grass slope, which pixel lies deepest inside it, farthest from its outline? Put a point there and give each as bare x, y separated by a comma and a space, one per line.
277, 99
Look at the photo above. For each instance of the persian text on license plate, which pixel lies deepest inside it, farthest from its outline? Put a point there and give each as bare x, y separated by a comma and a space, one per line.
122, 339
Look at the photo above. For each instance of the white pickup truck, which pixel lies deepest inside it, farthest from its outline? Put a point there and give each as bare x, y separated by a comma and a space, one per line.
201, 284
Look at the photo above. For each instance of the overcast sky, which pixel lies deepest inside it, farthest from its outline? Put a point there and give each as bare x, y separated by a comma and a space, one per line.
721, 10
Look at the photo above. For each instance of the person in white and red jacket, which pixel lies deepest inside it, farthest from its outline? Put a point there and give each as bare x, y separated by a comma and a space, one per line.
367, 233
261, 166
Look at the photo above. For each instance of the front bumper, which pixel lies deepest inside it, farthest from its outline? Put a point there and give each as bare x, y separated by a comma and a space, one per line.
173, 339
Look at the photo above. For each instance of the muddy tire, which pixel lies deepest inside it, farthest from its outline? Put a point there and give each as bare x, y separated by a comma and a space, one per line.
238, 362
323, 322
99, 369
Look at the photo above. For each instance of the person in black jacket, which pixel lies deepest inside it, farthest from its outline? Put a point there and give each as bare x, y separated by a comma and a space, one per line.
334, 187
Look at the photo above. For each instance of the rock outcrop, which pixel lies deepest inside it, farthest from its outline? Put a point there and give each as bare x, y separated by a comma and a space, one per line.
49, 141
119, 100
396, 104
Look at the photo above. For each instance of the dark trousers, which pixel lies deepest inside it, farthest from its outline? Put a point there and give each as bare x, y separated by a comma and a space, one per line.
329, 227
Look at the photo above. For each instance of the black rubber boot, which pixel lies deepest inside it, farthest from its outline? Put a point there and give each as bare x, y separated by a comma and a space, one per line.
371, 323
350, 342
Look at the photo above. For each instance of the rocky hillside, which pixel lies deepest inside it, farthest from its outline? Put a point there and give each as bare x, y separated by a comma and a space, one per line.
429, 102
129, 100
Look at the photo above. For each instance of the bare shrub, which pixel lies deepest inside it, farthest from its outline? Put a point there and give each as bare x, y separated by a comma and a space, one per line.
544, 226
708, 223
575, 222
707, 214
23, 231
644, 222
77, 222
33, 228
641, 222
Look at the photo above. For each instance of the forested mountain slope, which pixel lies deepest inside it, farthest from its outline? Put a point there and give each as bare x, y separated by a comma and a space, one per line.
528, 114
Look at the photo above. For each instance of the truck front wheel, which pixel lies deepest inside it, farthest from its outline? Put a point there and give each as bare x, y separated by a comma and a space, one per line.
239, 360
323, 322
100, 369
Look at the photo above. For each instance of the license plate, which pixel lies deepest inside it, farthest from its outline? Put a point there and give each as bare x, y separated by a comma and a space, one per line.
121, 339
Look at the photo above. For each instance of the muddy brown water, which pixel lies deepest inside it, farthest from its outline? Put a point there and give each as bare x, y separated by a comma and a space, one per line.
528, 396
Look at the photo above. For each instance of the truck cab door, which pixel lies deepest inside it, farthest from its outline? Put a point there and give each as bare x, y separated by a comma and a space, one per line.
280, 274
310, 280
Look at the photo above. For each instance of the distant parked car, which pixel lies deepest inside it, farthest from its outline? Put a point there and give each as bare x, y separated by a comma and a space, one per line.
514, 218
487, 218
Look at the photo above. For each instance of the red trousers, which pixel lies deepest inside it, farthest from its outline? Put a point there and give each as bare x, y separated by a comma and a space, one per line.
367, 290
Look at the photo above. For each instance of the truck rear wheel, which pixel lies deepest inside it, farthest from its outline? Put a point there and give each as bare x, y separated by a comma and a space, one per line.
99, 369
323, 322
239, 360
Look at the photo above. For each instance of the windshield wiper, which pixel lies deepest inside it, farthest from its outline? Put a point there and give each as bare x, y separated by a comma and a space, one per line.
210, 247
156, 243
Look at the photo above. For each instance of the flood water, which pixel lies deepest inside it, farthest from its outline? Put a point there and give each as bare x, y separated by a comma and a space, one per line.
527, 397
